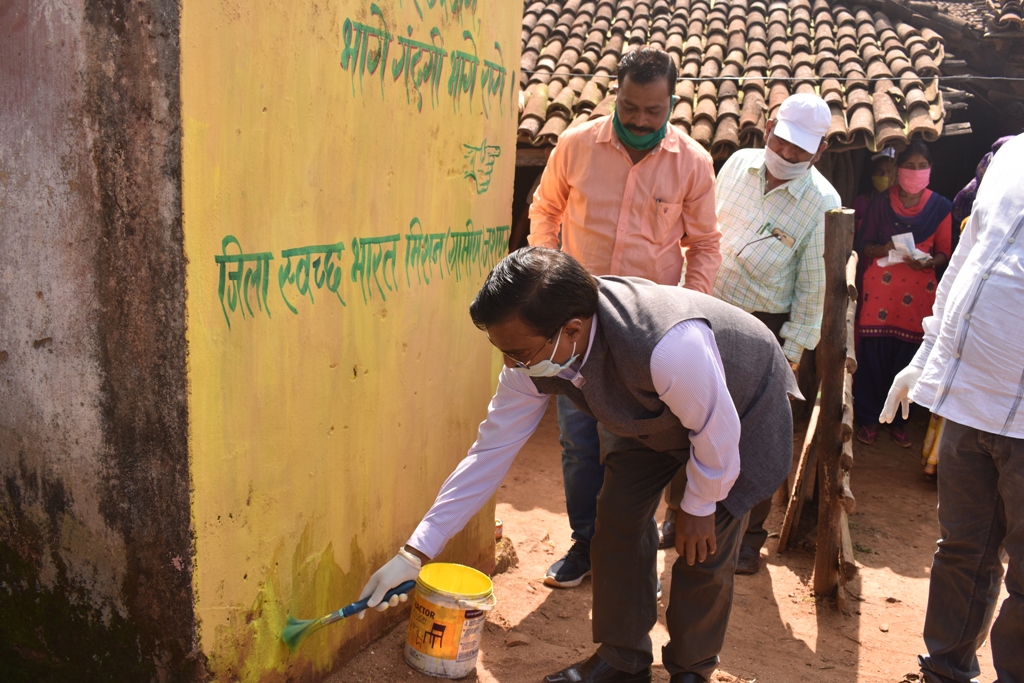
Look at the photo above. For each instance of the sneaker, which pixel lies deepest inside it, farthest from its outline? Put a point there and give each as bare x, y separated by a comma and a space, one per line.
570, 571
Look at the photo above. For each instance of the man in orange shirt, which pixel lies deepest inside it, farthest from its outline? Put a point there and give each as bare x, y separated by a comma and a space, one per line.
627, 194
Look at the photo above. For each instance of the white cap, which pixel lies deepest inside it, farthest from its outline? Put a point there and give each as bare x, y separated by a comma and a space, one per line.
803, 119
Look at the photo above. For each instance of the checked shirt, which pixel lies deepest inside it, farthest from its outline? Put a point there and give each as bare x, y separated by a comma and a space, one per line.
784, 273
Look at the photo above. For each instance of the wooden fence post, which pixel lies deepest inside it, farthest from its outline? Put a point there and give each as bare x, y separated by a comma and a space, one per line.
831, 362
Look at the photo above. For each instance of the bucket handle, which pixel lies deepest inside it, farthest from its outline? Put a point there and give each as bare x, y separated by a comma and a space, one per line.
484, 604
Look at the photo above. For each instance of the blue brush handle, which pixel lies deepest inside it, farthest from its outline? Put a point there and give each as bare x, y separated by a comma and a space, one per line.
357, 607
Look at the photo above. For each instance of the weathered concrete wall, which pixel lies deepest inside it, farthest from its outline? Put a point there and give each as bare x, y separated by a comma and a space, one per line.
95, 546
344, 197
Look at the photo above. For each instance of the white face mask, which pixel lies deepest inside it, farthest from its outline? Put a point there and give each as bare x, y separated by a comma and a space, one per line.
782, 169
548, 368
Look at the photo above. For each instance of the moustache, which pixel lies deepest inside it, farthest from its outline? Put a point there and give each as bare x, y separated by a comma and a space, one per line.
639, 131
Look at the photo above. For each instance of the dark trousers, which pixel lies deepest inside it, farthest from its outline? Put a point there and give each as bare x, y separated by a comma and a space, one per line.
755, 536
623, 556
879, 360
807, 380
807, 374
981, 507
582, 470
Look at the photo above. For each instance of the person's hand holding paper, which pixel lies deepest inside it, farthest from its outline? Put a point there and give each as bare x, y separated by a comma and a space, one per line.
903, 244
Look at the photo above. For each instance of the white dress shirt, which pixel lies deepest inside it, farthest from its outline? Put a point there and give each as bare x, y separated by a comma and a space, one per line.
973, 350
687, 372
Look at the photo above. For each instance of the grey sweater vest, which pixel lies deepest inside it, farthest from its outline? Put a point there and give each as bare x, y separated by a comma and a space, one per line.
633, 315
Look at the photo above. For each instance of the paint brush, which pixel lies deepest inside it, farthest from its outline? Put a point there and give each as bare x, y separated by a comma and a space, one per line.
296, 630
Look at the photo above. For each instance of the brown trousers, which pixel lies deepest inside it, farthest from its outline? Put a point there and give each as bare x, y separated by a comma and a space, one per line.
623, 555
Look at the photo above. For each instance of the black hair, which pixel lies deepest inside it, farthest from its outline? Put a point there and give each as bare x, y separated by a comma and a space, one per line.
915, 147
646, 64
544, 287
866, 186
875, 163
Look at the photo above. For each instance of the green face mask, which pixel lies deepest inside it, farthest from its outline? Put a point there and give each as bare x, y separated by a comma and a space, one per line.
881, 182
642, 142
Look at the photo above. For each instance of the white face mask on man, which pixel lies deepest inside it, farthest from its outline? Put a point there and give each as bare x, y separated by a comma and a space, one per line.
548, 368
782, 169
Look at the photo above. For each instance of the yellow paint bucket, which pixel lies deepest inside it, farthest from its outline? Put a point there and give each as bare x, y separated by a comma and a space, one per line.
447, 619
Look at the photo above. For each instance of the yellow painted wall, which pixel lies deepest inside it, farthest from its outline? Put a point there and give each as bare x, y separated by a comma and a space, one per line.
342, 204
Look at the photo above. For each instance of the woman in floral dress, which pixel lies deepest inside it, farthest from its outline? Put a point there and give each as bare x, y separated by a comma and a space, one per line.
895, 298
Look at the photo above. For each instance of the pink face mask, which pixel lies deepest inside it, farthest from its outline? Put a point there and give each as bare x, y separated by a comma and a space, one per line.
914, 181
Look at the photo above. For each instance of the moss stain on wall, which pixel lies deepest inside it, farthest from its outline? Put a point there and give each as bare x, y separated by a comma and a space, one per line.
95, 543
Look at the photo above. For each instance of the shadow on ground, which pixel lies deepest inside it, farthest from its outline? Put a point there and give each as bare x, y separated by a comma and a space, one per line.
778, 633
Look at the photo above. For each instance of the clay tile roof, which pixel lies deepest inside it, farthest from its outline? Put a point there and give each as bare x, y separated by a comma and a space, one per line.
738, 60
1003, 16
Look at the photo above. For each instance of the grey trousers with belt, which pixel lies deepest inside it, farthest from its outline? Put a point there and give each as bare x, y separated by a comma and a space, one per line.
624, 555
981, 508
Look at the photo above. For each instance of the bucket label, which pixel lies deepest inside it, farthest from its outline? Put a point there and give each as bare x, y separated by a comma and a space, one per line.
436, 631
472, 629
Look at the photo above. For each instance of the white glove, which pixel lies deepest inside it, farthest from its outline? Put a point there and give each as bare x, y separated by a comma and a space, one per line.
403, 567
899, 393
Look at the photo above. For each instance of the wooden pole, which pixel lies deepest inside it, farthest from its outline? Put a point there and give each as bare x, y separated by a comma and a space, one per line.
831, 360
851, 323
846, 424
846, 494
848, 564
846, 462
851, 313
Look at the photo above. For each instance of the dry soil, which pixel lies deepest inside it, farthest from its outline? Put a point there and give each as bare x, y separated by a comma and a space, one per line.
778, 633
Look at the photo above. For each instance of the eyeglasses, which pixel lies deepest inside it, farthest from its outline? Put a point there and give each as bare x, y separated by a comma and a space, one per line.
521, 364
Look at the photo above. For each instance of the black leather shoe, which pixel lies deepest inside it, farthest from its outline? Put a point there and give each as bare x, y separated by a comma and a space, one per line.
667, 530
688, 677
596, 670
749, 561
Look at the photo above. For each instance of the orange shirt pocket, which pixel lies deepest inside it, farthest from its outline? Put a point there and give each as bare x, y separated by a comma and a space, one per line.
660, 221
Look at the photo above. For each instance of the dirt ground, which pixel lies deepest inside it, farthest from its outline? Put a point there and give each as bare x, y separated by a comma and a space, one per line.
778, 632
